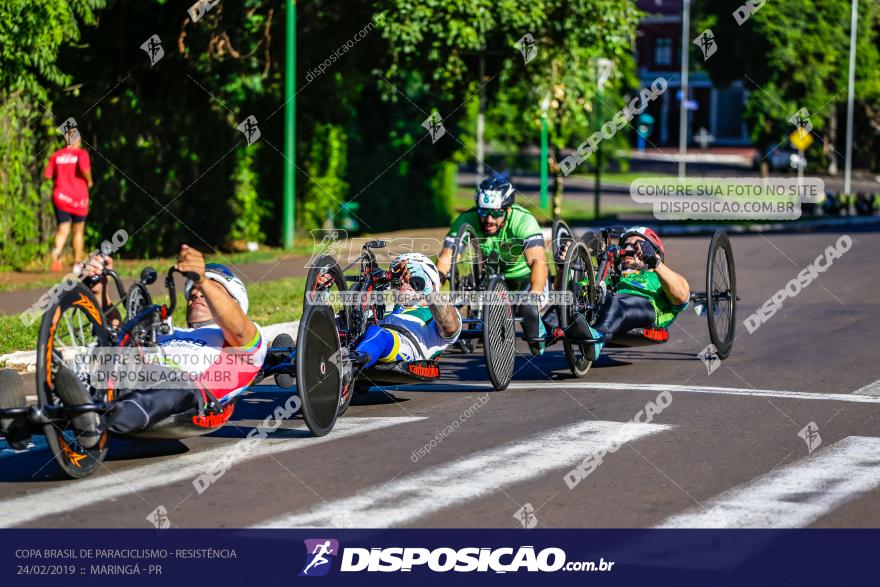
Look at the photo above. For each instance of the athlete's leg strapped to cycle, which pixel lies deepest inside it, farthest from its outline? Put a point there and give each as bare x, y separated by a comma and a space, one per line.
623, 312
379, 344
532, 324
135, 411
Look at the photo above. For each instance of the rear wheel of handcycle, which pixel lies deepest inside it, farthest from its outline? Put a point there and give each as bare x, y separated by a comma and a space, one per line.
284, 380
721, 294
336, 289
499, 333
318, 368
136, 300
578, 276
465, 276
71, 329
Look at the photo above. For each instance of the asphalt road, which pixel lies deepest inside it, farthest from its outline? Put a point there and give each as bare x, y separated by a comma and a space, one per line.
724, 451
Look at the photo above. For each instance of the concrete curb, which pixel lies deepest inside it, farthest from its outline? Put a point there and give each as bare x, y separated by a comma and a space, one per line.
26, 361
794, 226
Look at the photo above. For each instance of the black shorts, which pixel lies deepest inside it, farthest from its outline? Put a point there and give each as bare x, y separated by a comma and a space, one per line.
62, 216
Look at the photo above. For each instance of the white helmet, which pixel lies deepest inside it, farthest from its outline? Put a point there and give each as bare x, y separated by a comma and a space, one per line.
420, 266
222, 275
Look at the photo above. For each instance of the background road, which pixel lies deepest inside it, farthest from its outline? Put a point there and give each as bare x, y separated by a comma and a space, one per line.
725, 451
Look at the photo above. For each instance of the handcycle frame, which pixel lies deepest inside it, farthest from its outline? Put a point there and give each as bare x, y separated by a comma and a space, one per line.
51, 417
604, 266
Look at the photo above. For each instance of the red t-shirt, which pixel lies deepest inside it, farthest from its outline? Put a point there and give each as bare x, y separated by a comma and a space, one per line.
67, 167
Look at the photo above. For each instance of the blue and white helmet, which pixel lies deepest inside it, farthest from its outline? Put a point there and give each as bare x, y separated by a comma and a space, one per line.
494, 193
225, 277
421, 267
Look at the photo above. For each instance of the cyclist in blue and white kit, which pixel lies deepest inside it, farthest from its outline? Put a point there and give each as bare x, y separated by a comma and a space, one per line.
431, 324
215, 359
434, 325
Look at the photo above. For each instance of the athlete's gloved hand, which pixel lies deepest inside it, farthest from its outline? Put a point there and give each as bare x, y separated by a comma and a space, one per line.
649, 254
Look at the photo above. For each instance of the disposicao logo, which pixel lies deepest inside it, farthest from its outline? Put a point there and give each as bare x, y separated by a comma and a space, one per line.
320, 554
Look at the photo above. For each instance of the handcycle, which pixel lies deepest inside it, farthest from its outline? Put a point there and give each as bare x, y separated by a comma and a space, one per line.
482, 298
591, 270
72, 329
336, 316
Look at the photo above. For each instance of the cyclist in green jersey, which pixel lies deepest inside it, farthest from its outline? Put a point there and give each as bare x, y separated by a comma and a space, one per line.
650, 295
511, 232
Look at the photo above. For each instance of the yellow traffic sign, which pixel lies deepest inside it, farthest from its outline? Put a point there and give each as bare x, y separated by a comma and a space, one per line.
801, 139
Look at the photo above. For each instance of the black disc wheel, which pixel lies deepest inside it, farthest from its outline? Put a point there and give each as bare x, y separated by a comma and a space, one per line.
578, 277
465, 277
72, 330
318, 368
721, 294
499, 333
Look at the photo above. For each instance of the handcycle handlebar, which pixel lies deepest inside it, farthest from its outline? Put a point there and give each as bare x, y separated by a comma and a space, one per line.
172, 290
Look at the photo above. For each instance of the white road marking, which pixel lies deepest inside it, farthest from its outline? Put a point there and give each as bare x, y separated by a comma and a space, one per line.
106, 486
36, 443
795, 495
854, 397
872, 389
417, 495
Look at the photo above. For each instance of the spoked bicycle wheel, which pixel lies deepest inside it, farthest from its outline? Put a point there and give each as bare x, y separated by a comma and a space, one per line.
319, 368
71, 330
578, 277
499, 333
721, 294
465, 276
560, 234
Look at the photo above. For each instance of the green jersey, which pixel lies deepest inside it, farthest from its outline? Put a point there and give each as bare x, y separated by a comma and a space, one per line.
647, 285
520, 232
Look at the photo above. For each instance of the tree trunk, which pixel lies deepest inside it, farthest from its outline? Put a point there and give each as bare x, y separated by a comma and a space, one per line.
831, 143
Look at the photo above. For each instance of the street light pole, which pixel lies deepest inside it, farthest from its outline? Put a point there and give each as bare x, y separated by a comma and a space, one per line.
481, 125
847, 176
683, 123
545, 153
289, 125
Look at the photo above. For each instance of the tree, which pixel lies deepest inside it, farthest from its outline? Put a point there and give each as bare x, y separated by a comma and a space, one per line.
447, 39
31, 36
792, 56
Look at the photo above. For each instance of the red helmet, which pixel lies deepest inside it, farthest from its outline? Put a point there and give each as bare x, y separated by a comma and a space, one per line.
647, 234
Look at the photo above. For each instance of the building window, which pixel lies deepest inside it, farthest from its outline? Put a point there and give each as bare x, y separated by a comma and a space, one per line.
663, 52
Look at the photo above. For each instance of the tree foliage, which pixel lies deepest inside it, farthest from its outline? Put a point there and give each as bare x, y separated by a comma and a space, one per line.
795, 55
170, 164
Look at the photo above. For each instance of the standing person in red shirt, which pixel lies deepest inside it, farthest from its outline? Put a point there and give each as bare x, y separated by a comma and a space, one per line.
71, 171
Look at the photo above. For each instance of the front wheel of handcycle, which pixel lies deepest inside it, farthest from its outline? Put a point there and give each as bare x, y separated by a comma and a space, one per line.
319, 368
499, 333
721, 294
71, 331
578, 277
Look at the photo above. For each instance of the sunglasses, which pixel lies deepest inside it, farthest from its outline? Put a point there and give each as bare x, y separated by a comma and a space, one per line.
493, 213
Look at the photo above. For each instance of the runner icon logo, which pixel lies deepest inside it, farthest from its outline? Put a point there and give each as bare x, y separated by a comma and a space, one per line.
526, 516
320, 553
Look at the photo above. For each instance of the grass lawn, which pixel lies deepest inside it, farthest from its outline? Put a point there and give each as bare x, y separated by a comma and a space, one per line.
573, 209
39, 277
622, 177
273, 301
